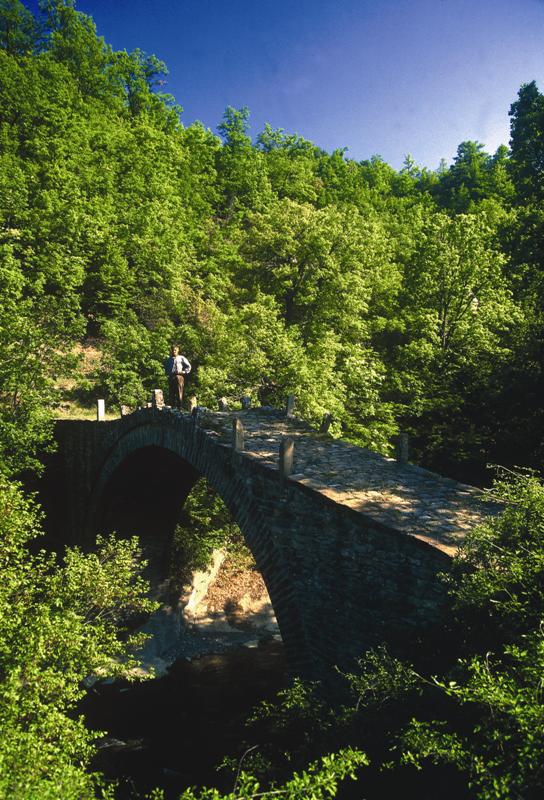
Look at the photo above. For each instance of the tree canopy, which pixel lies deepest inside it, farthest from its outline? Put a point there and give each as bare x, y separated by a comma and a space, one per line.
408, 300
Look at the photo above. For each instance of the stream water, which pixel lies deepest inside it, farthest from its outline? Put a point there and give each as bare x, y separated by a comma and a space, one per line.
173, 732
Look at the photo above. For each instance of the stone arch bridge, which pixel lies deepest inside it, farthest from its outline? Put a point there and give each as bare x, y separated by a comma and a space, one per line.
349, 544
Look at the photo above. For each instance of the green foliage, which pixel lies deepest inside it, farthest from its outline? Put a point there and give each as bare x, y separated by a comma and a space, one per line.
502, 754
497, 585
278, 267
499, 570
132, 361
32, 354
18, 30
527, 124
320, 780
379, 679
306, 720
300, 701
458, 323
58, 626
473, 177
205, 525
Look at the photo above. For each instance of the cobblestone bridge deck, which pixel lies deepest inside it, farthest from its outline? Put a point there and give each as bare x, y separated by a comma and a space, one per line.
405, 497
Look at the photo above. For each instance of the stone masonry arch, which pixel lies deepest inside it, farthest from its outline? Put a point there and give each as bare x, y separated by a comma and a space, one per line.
244, 508
349, 545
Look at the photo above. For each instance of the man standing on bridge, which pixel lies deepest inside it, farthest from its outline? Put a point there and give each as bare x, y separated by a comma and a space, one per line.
176, 368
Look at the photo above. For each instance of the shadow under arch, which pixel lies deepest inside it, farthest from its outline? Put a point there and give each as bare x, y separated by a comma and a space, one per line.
144, 497
166, 470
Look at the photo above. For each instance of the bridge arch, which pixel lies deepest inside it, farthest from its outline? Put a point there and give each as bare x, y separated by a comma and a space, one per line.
247, 512
350, 546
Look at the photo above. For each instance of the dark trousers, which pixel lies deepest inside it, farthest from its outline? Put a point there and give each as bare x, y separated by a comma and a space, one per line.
175, 390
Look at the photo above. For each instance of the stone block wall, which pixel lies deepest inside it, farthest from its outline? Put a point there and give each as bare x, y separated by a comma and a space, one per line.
339, 581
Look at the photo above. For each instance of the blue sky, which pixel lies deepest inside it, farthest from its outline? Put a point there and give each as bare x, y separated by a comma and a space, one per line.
385, 77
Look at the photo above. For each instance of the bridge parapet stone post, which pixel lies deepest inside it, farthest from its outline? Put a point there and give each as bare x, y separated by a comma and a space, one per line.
237, 435
325, 423
287, 455
196, 415
403, 446
100, 410
157, 398
290, 406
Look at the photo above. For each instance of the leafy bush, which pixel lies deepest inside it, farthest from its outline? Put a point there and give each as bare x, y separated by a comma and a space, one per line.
320, 780
205, 525
501, 754
495, 733
497, 578
58, 625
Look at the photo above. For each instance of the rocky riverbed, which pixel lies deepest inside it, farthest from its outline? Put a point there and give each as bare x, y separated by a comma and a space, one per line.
224, 607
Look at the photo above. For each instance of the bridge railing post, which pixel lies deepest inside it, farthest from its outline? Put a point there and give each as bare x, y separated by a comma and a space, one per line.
237, 435
325, 423
403, 448
157, 398
290, 406
287, 456
196, 415
100, 410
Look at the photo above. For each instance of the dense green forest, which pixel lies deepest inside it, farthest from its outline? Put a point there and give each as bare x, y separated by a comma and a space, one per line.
408, 300
394, 300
